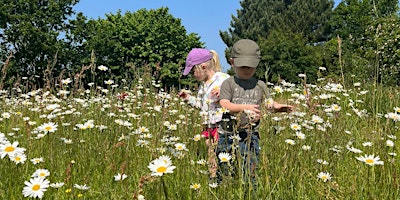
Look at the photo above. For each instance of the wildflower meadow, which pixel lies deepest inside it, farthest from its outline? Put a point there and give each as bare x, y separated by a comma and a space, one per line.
138, 141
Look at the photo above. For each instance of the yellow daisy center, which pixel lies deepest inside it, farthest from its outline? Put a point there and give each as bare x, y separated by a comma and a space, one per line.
224, 159
17, 158
369, 161
9, 149
161, 169
42, 174
47, 128
36, 187
324, 177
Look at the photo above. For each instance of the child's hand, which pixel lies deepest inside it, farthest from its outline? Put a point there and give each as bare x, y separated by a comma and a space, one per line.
283, 108
215, 92
252, 108
254, 114
184, 94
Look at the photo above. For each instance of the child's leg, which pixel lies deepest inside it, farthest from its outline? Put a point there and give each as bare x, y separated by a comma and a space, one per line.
250, 149
211, 143
224, 146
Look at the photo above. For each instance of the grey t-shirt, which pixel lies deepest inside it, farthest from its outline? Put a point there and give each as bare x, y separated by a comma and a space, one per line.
238, 91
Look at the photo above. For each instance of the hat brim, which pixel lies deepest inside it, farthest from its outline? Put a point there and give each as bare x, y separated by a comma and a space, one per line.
246, 62
187, 70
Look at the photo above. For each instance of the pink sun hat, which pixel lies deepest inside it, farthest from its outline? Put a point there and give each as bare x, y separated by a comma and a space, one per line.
196, 56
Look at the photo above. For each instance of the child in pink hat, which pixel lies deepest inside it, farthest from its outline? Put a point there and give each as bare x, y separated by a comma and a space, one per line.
202, 65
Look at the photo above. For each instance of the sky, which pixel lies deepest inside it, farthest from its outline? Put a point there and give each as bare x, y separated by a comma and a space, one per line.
205, 17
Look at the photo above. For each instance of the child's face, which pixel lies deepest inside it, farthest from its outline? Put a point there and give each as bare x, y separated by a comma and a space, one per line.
198, 72
245, 72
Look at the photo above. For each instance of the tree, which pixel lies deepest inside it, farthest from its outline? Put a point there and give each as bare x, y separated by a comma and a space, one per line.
264, 20
382, 50
126, 43
31, 29
369, 32
285, 55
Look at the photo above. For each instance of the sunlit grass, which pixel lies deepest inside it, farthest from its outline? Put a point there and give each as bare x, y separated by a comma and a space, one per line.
86, 140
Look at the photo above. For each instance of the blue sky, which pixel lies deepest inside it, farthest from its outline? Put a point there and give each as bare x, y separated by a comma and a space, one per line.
206, 17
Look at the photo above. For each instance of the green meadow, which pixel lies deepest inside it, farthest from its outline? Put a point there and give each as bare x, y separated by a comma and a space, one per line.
98, 142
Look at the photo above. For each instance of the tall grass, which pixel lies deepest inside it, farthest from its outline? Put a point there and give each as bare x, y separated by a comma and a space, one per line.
101, 133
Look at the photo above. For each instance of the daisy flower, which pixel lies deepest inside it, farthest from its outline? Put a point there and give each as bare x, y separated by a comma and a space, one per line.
63, 92
290, 141
10, 149
394, 116
48, 127
57, 185
102, 68
325, 176
335, 107
213, 185
295, 126
367, 144
173, 127
278, 89
67, 141
66, 81
142, 143
389, 143
300, 135
324, 162
36, 161
302, 75
18, 158
235, 137
35, 187
224, 157
52, 107
120, 177
141, 197
6, 115
195, 186
370, 160
41, 173
354, 150
306, 147
316, 119
81, 187
180, 147
159, 167
109, 82
162, 149
197, 137
202, 162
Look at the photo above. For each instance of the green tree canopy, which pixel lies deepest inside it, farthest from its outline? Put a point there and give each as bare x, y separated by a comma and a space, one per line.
369, 31
152, 38
287, 31
31, 29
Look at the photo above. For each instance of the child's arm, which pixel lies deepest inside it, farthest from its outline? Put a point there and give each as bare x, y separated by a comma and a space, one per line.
190, 99
235, 108
278, 107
